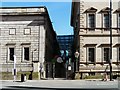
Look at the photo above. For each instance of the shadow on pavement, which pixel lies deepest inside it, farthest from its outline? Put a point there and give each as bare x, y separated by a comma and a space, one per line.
46, 88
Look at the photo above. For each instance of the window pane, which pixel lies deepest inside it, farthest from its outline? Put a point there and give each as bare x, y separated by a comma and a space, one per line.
106, 54
12, 31
91, 54
106, 20
11, 54
91, 21
27, 31
119, 54
26, 53
119, 21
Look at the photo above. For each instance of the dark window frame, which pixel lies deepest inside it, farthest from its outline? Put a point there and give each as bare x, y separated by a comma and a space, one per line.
106, 54
91, 20
118, 54
91, 54
11, 53
27, 33
91, 73
0, 31
26, 53
119, 21
106, 21
10, 31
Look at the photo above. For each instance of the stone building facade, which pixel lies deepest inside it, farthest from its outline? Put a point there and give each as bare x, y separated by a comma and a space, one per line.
27, 32
90, 20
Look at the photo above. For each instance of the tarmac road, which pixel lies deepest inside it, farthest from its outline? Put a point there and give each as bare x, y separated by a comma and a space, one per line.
60, 85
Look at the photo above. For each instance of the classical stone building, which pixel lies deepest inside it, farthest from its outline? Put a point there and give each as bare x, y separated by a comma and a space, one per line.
27, 32
90, 20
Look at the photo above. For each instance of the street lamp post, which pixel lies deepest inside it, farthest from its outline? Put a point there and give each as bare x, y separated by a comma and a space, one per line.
14, 67
110, 28
76, 59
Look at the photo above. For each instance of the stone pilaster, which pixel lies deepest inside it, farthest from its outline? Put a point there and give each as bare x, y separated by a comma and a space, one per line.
81, 49
36, 69
81, 41
81, 16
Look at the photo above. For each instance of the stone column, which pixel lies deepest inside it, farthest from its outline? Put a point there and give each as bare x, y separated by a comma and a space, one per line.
41, 50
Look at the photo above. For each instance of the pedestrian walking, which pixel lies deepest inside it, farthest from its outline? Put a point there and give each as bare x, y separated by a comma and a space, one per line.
105, 77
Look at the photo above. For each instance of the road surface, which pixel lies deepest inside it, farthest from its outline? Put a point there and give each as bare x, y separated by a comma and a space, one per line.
60, 84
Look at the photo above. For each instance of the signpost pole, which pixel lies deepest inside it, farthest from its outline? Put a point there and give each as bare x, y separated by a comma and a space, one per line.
110, 27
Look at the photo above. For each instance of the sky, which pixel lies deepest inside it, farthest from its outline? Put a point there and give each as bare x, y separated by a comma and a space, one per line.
59, 12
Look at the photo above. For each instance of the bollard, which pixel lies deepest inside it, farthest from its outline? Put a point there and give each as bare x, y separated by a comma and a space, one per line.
22, 77
25, 78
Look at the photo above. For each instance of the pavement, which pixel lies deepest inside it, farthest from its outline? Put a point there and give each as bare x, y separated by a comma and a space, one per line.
58, 84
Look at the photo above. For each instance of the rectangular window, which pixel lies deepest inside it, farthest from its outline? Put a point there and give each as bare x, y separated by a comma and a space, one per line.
118, 54
92, 74
27, 31
0, 31
106, 21
106, 54
26, 53
91, 54
119, 21
11, 53
12, 31
91, 21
